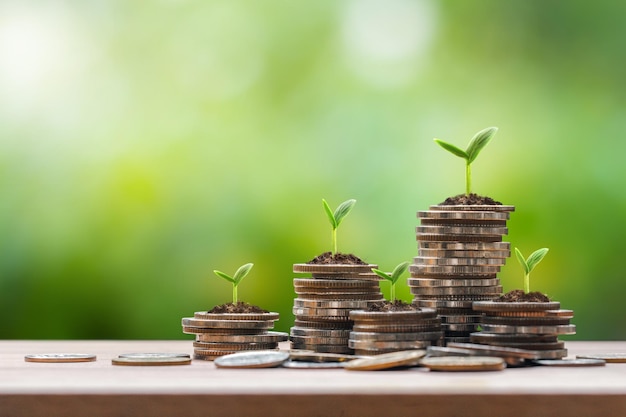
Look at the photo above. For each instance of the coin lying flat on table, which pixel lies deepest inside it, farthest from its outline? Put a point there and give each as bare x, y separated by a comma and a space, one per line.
154, 355
151, 361
312, 356
607, 357
60, 357
463, 363
571, 362
387, 361
252, 359
312, 365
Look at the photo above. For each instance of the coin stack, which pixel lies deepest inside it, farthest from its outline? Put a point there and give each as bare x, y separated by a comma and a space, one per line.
460, 253
324, 301
378, 332
219, 334
532, 326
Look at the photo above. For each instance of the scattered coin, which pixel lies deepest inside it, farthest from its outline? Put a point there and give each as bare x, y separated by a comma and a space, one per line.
154, 355
499, 351
607, 357
387, 361
151, 361
252, 359
312, 365
311, 356
571, 362
463, 363
60, 357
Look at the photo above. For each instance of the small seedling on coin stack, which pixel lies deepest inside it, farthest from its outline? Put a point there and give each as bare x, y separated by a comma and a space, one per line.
530, 264
478, 142
337, 217
239, 275
392, 277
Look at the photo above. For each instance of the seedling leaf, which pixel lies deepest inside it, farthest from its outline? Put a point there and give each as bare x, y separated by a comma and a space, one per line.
399, 270
329, 213
535, 258
522, 260
241, 273
382, 274
343, 210
225, 276
452, 148
478, 142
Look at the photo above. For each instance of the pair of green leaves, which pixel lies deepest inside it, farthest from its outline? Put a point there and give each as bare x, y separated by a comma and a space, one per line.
530, 263
392, 277
337, 217
239, 275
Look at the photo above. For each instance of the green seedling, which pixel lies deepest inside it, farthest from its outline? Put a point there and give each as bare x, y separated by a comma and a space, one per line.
337, 216
530, 264
392, 277
235, 279
478, 142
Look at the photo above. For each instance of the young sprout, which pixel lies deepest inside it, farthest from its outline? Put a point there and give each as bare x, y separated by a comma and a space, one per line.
530, 264
478, 142
337, 216
235, 279
393, 277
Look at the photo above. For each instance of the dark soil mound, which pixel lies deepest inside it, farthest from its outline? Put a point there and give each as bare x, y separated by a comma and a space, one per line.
519, 296
239, 307
393, 306
339, 258
470, 200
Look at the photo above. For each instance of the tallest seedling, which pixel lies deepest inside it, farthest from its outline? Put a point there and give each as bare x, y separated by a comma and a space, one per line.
337, 216
478, 142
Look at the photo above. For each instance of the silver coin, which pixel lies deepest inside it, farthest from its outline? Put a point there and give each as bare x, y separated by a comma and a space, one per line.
312, 365
367, 276
303, 331
384, 337
397, 345
432, 351
228, 324
487, 306
493, 291
433, 282
322, 348
268, 337
151, 361
304, 311
462, 230
571, 362
319, 340
350, 304
551, 354
311, 356
607, 357
334, 284
444, 237
387, 361
463, 215
318, 324
443, 303
332, 268
463, 363
460, 319
443, 253
154, 355
234, 347
473, 207
427, 260
396, 316
526, 321
559, 330
60, 357
500, 351
464, 246
460, 327
252, 359
203, 315
454, 270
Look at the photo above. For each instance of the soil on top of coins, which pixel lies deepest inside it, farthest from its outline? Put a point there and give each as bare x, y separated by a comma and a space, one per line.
338, 258
519, 296
236, 308
470, 200
397, 305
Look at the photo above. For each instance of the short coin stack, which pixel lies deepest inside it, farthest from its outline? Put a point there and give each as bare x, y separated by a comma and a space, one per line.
460, 253
378, 332
532, 326
323, 304
219, 334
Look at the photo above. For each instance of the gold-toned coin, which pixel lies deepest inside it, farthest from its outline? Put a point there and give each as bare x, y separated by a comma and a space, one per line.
201, 315
246, 360
396, 345
526, 321
444, 237
490, 338
565, 314
322, 348
234, 347
314, 340
454, 270
363, 276
139, 355
607, 357
408, 358
228, 324
488, 306
485, 216
432, 282
443, 253
388, 337
349, 304
551, 354
267, 337
473, 207
463, 363
493, 291
464, 246
60, 357
316, 323
559, 330
151, 361
427, 331
303, 331
334, 284
428, 260
331, 268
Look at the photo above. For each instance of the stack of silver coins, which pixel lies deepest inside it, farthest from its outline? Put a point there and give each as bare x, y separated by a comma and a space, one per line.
532, 326
461, 251
324, 301
378, 332
219, 334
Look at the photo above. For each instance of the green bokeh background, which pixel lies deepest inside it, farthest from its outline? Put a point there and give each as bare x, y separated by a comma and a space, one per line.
144, 144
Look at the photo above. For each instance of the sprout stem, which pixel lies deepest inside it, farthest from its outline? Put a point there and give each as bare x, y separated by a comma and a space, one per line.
334, 241
393, 292
526, 283
468, 178
234, 294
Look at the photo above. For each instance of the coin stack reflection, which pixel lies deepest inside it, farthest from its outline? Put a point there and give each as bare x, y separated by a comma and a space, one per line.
219, 334
378, 332
532, 326
460, 254
324, 301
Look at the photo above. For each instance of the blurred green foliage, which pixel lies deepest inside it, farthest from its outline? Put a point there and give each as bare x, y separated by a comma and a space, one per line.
145, 144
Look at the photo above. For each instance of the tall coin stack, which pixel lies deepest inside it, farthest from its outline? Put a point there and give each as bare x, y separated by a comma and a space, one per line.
525, 325
324, 301
219, 334
377, 332
460, 254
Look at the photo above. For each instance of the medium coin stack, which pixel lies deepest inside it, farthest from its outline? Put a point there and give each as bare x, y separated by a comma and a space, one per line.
460, 254
378, 332
532, 326
219, 334
324, 301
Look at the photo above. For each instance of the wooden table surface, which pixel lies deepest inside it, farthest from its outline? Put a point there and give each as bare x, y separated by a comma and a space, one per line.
200, 389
